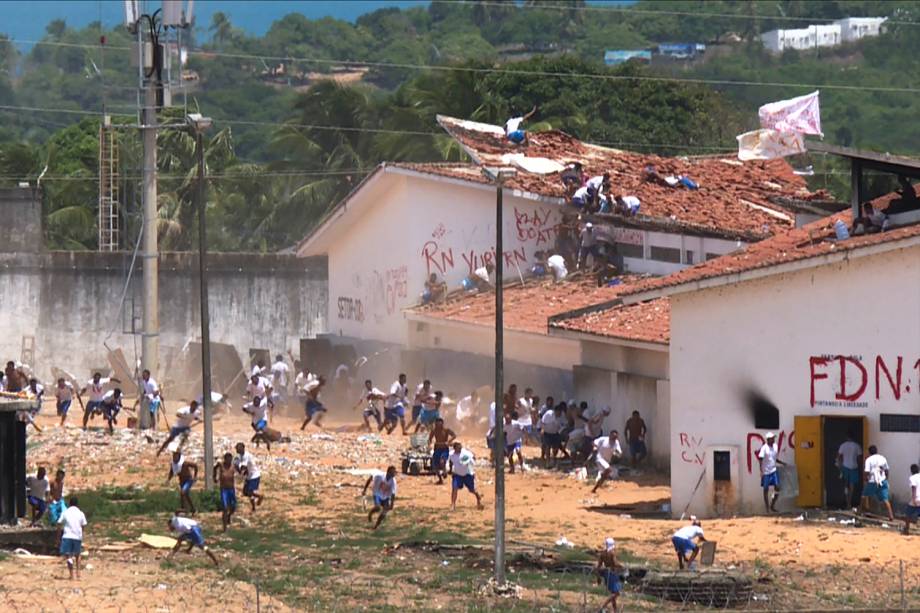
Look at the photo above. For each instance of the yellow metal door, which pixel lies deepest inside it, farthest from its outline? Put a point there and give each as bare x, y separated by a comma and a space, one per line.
809, 460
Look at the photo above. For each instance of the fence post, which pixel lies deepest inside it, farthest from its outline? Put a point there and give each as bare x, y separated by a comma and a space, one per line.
901, 576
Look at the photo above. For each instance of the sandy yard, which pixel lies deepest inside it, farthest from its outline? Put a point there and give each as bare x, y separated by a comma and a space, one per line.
309, 545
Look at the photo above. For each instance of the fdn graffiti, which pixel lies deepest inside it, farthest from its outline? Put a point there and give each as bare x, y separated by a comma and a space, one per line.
848, 378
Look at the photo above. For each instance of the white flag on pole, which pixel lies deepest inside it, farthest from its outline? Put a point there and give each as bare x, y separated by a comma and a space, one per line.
802, 114
769, 145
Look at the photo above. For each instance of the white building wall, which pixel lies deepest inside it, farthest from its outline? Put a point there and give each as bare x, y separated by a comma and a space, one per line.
761, 335
855, 28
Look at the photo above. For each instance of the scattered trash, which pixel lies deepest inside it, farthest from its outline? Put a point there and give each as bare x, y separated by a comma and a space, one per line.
799, 518
370, 438
156, 541
564, 542
832, 519
324, 437
507, 590
445, 563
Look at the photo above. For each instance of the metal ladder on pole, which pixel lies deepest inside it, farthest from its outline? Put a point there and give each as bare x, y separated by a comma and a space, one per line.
108, 187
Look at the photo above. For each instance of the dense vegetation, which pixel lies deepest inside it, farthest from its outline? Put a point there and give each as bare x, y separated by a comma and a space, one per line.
276, 167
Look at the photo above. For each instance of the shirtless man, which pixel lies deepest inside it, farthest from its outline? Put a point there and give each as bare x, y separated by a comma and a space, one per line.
187, 473
314, 406
224, 474
608, 570
422, 393
96, 387
442, 438
57, 505
384, 494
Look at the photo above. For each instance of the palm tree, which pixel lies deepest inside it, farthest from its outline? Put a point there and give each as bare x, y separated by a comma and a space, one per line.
221, 28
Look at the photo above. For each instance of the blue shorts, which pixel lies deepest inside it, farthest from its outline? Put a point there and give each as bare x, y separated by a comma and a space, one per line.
850, 475
93, 405
912, 512
612, 581
772, 479
71, 547
228, 498
879, 492
381, 502
464, 481
416, 411
683, 546
578, 202
428, 416
55, 509
251, 486
194, 536
517, 136
552, 439
38, 503
394, 413
186, 486
260, 425
538, 270
512, 446
439, 455
637, 448
314, 407
177, 430
63, 406
110, 410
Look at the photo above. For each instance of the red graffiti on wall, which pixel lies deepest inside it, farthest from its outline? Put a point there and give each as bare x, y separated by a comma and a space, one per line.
849, 379
397, 283
691, 449
441, 261
535, 226
755, 441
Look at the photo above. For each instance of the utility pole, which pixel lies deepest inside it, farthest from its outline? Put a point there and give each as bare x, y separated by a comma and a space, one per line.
498, 176
150, 338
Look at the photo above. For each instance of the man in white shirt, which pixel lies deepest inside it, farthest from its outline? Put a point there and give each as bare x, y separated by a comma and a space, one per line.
588, 246
63, 394
607, 449
849, 455
185, 417
467, 407
913, 507
552, 423
73, 521
38, 494
314, 408
258, 369
460, 464
683, 541
481, 279
96, 387
259, 386
395, 406
150, 396
301, 380
111, 407
422, 395
246, 465
384, 494
258, 413
876, 473
769, 475
371, 399
525, 412
280, 372
556, 264
189, 530
514, 440
513, 131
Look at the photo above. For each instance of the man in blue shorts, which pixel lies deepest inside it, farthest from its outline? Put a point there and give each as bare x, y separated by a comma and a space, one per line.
849, 456
63, 394
224, 474
384, 494
38, 493
769, 475
513, 131
913, 507
74, 521
442, 438
609, 571
185, 418
635, 438
190, 531
314, 407
246, 466
683, 541
431, 411
463, 474
876, 473
422, 395
187, 473
394, 410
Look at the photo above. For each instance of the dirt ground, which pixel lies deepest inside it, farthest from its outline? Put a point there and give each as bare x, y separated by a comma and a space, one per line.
309, 546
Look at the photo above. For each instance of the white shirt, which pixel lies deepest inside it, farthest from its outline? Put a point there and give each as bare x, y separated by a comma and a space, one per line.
595, 182
383, 487
581, 192
461, 464
95, 389
632, 203
492, 415
372, 397
483, 273
185, 417
398, 393
301, 380
524, 407
513, 124
248, 462
551, 424
256, 370
514, 432
258, 412
587, 237
279, 374
256, 389
607, 448
421, 394
109, 397
850, 451
877, 467
177, 466
39, 390
689, 532
556, 263
183, 525
464, 408
73, 520
768, 455
65, 393
37, 487
915, 484
151, 389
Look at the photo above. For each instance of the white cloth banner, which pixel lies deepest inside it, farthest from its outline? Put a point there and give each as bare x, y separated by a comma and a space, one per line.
540, 166
802, 114
769, 145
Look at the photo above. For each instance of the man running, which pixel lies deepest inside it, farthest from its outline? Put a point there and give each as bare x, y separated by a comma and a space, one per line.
609, 571
185, 418
384, 494
635, 438
314, 406
606, 449
150, 396
442, 438
769, 475
280, 371
876, 475
259, 386
96, 387
224, 475
431, 411
371, 399
187, 473
258, 412
683, 541
395, 407
189, 530
422, 394
38, 494
463, 475
74, 521
110, 407
63, 395
514, 440
247, 467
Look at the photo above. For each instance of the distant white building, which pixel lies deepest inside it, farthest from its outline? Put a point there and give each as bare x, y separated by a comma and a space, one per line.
824, 35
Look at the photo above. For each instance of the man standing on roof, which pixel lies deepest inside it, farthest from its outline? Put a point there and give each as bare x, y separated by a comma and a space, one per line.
588, 246
598, 188
513, 130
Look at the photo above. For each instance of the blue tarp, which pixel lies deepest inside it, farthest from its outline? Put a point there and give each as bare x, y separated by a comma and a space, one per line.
612, 58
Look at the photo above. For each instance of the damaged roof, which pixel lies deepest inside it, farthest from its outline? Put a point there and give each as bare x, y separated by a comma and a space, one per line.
530, 308
737, 196
810, 245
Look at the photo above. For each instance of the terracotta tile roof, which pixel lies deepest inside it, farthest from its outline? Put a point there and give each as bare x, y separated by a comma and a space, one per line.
645, 321
810, 241
733, 195
528, 308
